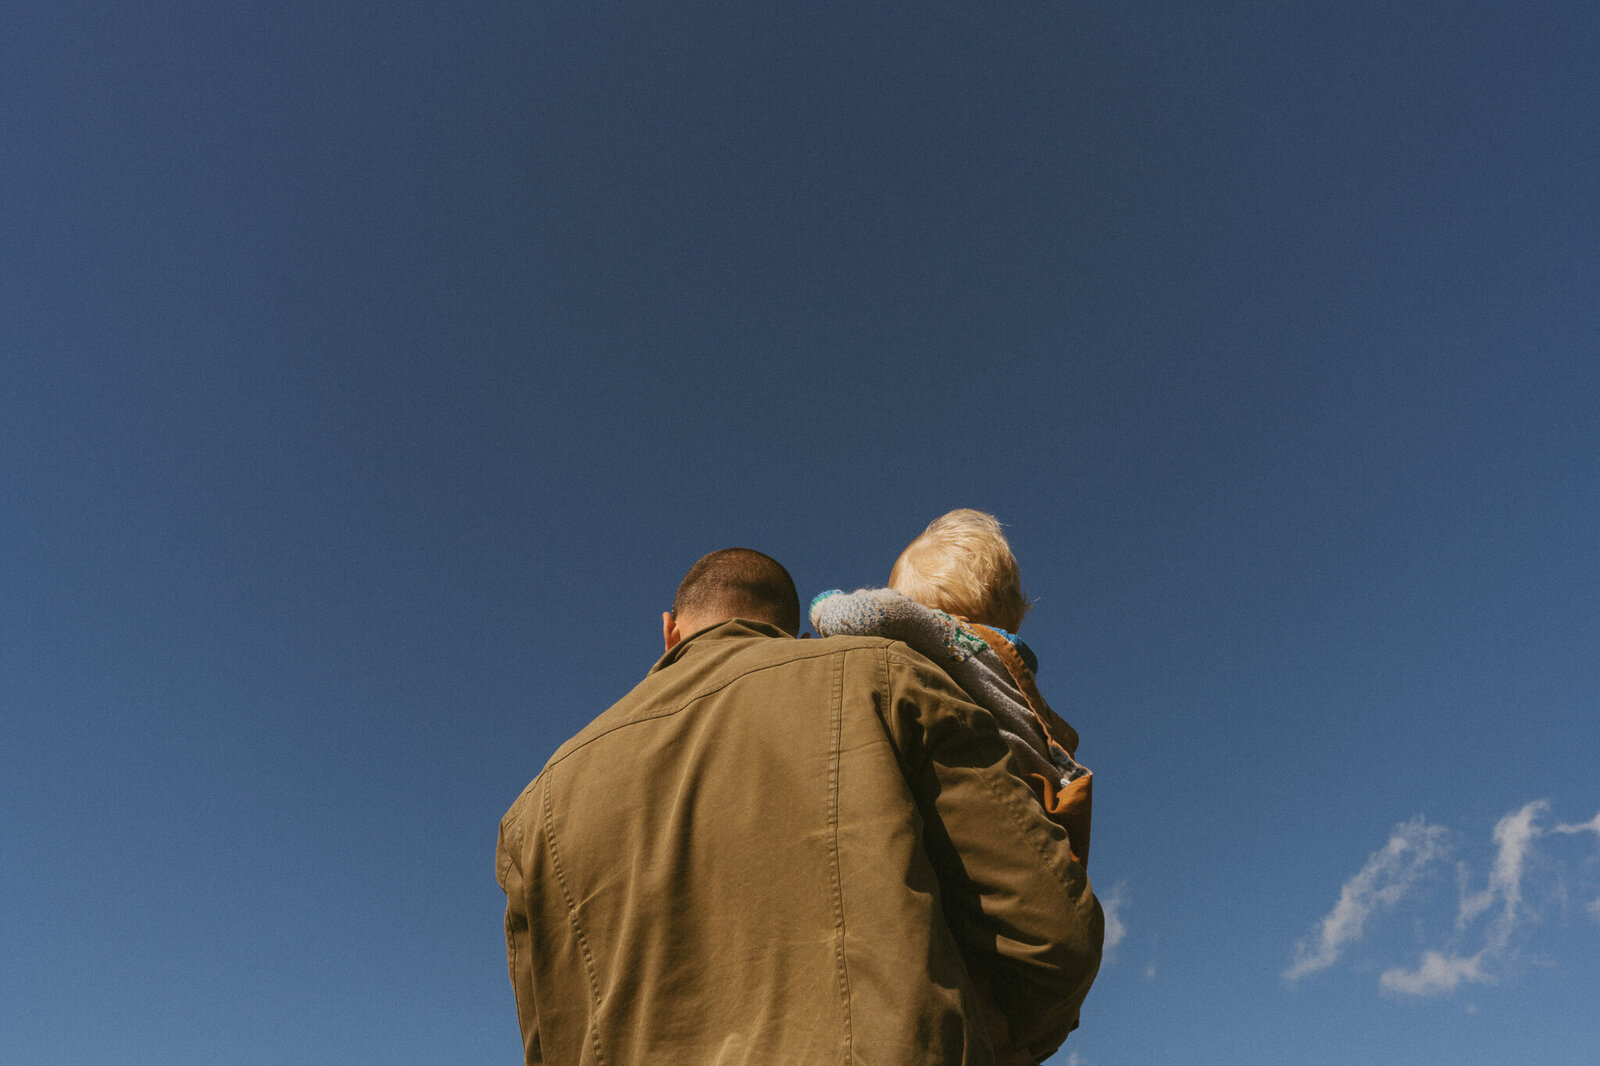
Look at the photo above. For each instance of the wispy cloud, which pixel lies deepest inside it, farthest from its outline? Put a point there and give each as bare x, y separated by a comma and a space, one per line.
1591, 826
1382, 882
1437, 973
1513, 837
1495, 915
1112, 904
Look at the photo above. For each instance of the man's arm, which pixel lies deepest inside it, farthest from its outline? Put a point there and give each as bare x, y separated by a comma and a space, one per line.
1020, 907
966, 655
519, 942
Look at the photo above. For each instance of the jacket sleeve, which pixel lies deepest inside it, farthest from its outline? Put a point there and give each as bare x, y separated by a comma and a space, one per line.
519, 943
1020, 907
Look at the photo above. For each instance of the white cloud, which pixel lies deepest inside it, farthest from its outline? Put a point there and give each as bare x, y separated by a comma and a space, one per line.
1437, 973
1440, 973
1380, 884
1492, 923
1591, 826
1513, 836
1075, 1059
1115, 929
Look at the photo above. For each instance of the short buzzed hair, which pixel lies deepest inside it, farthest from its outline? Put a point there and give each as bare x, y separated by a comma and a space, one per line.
962, 564
739, 583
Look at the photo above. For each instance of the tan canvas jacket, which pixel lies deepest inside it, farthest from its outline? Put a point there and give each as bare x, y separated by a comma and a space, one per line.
778, 851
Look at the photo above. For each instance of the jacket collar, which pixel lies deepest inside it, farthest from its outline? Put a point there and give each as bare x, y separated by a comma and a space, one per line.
732, 629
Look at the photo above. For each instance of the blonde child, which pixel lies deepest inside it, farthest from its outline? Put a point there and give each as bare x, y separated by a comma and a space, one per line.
955, 595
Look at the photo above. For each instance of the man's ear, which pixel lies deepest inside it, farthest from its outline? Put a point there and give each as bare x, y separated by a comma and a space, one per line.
669, 631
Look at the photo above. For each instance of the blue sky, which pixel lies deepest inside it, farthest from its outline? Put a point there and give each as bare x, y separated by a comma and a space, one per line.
370, 373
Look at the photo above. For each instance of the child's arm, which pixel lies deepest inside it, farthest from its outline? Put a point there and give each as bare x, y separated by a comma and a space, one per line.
887, 613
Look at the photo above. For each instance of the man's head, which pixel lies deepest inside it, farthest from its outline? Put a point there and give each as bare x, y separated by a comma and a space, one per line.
732, 583
963, 565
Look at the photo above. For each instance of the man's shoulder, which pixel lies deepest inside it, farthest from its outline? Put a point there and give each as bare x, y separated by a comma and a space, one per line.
894, 650
786, 666
718, 665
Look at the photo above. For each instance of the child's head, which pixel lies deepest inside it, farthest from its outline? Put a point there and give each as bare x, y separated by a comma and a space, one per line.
961, 564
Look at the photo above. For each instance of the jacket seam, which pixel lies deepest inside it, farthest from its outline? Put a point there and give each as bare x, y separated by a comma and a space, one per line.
572, 918
1029, 838
835, 746
503, 874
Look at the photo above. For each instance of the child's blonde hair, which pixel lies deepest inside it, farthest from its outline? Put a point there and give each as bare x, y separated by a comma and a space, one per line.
962, 564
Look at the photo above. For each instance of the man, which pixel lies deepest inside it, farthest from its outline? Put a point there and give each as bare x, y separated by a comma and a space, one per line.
775, 851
